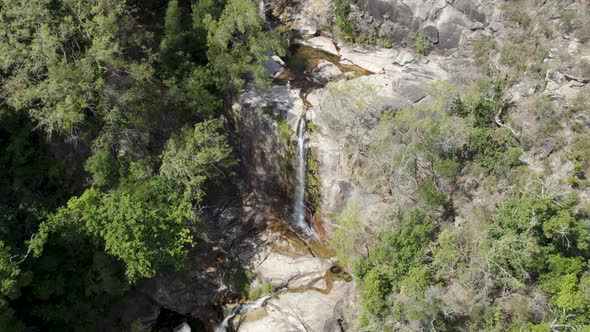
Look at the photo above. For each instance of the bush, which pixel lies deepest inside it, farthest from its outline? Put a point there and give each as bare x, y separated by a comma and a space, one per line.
397, 256
583, 34
420, 44
482, 50
515, 13
104, 168
266, 288
524, 57
347, 234
347, 27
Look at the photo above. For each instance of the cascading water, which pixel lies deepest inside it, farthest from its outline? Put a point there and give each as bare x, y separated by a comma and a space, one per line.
298, 216
262, 10
244, 308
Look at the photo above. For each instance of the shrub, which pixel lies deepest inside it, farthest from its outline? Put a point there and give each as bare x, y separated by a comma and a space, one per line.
524, 57
104, 168
420, 44
515, 13
568, 21
347, 26
483, 48
348, 233
266, 288
398, 255
583, 34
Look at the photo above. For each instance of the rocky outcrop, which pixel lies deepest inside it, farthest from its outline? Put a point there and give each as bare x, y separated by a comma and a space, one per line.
326, 72
445, 24
264, 154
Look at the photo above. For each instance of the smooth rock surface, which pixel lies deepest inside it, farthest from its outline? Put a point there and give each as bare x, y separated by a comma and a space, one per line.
306, 311
322, 43
326, 71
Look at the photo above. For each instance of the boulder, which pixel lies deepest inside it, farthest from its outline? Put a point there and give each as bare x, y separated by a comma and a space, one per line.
326, 71
273, 67
322, 43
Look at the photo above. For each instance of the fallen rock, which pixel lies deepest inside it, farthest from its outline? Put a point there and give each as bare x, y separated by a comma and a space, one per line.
273, 67
326, 71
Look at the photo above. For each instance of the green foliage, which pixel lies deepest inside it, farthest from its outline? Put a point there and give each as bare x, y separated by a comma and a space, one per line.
119, 79
9, 273
395, 263
313, 189
524, 57
103, 167
483, 49
495, 150
54, 67
266, 288
238, 44
420, 44
242, 279
346, 237
143, 223
514, 12
430, 194
345, 24
196, 155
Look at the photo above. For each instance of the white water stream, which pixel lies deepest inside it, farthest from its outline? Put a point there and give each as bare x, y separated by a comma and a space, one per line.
262, 10
298, 215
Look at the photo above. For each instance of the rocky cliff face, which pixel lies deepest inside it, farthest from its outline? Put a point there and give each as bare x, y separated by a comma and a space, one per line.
253, 233
445, 24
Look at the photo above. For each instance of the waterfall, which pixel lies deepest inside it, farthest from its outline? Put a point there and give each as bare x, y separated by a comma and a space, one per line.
262, 10
244, 308
298, 216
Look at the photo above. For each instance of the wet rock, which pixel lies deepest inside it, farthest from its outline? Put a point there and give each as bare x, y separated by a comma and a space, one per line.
281, 100
142, 309
258, 141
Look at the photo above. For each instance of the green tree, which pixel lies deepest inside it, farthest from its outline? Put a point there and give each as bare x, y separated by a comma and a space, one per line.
195, 156
9, 273
103, 167
238, 45
143, 223
347, 235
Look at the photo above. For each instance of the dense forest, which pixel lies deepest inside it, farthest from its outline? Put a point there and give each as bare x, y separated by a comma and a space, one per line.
110, 135
115, 133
